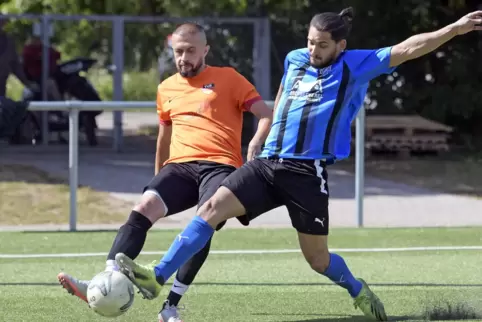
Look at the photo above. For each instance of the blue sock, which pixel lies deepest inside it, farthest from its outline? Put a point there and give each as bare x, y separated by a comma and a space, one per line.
194, 237
339, 273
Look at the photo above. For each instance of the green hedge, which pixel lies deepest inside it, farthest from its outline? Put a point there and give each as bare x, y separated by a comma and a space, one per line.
137, 86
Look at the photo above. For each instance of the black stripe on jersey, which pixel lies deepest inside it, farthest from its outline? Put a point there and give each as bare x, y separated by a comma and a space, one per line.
284, 115
305, 115
340, 97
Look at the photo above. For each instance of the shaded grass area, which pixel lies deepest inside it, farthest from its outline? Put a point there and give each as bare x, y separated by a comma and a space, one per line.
31, 196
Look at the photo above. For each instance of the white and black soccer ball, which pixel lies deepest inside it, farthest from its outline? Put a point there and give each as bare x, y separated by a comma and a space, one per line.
110, 294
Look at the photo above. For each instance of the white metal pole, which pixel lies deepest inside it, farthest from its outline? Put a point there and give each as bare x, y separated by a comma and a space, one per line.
73, 107
44, 27
360, 165
73, 165
118, 57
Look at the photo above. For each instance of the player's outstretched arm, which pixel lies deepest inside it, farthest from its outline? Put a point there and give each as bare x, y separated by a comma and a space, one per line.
422, 44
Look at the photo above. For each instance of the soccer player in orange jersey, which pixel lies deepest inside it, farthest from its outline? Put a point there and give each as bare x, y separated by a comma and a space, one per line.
200, 111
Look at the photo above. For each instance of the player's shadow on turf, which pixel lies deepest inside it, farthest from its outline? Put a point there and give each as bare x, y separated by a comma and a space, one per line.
294, 284
345, 318
361, 318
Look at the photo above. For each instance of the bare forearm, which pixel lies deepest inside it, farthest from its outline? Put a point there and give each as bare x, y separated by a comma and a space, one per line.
162, 154
262, 131
162, 147
264, 124
421, 44
265, 117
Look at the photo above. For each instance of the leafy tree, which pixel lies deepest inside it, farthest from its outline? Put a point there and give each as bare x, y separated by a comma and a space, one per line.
443, 85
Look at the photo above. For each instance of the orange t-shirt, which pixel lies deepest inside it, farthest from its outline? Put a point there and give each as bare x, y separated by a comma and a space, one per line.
206, 113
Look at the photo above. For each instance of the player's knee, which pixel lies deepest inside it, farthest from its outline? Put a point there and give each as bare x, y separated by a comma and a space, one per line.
208, 210
151, 206
319, 262
222, 206
212, 213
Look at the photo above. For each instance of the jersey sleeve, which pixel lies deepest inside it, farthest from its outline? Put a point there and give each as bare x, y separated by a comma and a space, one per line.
164, 117
366, 65
246, 93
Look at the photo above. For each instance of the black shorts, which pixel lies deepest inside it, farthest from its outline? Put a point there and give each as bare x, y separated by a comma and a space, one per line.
300, 185
185, 185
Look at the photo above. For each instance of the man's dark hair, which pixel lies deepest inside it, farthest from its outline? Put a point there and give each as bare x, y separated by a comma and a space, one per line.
337, 24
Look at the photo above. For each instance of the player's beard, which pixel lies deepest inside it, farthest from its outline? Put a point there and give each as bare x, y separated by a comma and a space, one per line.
193, 71
325, 62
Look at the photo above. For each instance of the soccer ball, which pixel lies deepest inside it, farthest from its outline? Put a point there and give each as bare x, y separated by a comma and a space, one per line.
110, 293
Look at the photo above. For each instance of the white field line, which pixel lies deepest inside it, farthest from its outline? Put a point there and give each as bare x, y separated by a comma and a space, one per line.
259, 251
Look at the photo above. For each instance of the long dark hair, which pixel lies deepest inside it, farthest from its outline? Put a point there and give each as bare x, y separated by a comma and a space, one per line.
337, 24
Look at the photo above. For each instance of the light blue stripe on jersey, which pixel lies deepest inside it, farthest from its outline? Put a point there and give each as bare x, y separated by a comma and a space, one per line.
317, 106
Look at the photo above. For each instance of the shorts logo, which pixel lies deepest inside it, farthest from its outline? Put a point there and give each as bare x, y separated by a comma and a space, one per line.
321, 221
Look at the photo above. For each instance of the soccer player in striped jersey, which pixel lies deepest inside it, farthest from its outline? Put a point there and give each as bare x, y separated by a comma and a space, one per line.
321, 92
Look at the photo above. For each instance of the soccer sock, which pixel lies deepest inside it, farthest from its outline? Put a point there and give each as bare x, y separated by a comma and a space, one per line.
194, 237
339, 273
186, 274
177, 291
130, 238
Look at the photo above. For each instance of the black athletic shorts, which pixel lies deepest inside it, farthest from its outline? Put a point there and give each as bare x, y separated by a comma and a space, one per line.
185, 185
300, 185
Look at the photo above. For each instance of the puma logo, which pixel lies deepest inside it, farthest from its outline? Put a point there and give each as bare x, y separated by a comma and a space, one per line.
180, 237
321, 221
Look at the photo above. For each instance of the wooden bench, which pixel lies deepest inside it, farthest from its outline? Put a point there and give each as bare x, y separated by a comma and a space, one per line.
405, 135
